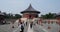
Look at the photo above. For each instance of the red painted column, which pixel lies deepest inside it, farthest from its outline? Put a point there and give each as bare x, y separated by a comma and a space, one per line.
40, 22
58, 21
26, 15
49, 27
32, 16
48, 21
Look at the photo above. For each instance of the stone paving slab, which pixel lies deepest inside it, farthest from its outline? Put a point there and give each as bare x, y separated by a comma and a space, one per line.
30, 29
54, 28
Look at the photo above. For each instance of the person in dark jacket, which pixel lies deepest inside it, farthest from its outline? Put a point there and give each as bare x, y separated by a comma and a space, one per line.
22, 28
31, 24
26, 23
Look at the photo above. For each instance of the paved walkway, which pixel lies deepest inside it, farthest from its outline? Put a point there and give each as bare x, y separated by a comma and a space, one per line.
29, 29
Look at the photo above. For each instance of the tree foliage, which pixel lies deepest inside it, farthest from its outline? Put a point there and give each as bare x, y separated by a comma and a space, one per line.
10, 15
17, 16
48, 16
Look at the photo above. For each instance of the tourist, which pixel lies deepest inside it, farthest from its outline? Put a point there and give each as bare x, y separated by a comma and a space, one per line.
22, 27
26, 23
31, 24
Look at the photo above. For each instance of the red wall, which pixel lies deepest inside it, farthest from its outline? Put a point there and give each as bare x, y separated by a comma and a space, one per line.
29, 15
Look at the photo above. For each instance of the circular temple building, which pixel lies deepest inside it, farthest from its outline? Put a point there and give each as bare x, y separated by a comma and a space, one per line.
30, 13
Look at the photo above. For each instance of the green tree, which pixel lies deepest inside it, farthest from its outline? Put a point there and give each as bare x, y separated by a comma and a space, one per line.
17, 16
48, 16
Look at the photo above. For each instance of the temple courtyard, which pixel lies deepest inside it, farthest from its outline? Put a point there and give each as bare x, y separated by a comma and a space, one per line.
35, 28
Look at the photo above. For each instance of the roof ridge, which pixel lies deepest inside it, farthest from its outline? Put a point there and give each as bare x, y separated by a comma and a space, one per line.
30, 8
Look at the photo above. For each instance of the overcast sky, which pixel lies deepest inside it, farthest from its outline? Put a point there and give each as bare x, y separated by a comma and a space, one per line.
16, 6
